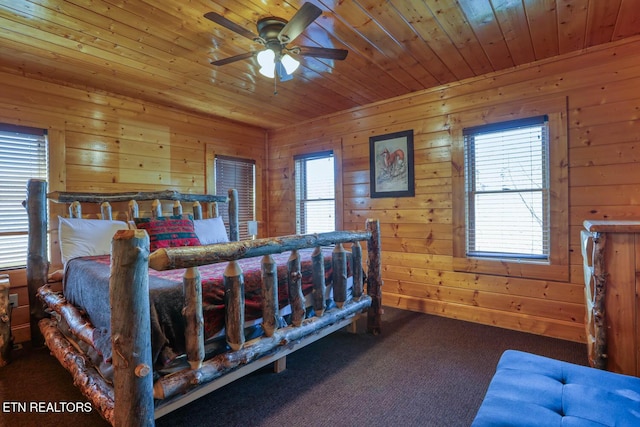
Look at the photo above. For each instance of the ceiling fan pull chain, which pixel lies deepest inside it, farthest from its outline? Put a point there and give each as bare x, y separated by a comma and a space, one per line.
275, 85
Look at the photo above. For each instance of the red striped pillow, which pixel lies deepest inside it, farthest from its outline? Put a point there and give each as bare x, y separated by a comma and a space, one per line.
169, 232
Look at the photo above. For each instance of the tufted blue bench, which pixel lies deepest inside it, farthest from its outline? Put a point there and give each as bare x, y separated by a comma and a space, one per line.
531, 390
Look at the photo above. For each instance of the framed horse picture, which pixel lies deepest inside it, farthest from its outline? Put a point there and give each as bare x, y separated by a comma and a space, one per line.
391, 165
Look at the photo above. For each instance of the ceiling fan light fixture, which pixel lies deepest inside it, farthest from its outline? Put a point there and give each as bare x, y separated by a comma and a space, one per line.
266, 58
289, 63
269, 71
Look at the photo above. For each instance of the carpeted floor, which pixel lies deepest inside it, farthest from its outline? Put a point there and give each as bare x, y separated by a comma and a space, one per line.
422, 371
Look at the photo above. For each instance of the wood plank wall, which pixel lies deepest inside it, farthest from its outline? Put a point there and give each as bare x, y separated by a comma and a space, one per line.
602, 87
102, 142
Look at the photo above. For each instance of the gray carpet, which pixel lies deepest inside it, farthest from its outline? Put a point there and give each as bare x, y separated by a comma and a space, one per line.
422, 371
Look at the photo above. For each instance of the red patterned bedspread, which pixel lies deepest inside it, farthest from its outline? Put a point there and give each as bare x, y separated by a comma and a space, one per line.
87, 286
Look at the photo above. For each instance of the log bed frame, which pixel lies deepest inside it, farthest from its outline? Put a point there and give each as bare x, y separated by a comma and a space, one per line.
134, 399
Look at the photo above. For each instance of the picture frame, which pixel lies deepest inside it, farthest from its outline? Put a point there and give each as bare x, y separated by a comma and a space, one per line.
391, 165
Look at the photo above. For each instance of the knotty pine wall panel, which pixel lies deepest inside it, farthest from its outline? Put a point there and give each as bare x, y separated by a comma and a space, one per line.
602, 89
101, 142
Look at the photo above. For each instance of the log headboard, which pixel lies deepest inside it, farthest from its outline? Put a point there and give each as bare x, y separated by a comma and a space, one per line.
38, 262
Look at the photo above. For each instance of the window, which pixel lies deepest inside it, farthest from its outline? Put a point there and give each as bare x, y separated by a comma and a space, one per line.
232, 172
510, 190
23, 155
315, 193
507, 189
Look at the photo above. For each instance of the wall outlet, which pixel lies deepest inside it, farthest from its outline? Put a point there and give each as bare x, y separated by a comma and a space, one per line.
13, 300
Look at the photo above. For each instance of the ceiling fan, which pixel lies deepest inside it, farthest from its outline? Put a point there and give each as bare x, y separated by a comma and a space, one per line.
275, 34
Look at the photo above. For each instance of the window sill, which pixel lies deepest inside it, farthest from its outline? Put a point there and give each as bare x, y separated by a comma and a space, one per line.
530, 269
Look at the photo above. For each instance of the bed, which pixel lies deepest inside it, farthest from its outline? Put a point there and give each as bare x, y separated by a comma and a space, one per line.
162, 318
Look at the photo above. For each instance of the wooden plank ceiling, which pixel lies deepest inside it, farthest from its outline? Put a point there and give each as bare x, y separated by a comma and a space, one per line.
160, 50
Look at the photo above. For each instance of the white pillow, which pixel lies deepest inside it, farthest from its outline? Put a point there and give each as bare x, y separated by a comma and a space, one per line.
210, 230
86, 237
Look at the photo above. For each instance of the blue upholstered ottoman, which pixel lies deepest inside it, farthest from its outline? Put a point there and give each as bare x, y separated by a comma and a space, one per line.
531, 390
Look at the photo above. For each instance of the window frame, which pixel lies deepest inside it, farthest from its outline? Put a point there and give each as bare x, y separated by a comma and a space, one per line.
472, 168
556, 267
243, 217
314, 156
42, 137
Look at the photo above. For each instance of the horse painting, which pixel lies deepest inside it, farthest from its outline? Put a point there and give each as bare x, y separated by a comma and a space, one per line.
393, 162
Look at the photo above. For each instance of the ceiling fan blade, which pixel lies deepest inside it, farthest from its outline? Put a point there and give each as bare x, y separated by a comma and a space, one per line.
233, 58
301, 20
323, 52
221, 20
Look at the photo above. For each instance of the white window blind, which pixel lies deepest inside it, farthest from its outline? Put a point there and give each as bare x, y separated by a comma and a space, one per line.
507, 188
233, 172
23, 155
315, 193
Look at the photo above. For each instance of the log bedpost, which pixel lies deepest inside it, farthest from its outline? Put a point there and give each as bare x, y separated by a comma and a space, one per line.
374, 277
356, 270
234, 229
234, 304
598, 351
105, 210
130, 326
37, 259
194, 329
296, 297
319, 284
270, 312
6, 341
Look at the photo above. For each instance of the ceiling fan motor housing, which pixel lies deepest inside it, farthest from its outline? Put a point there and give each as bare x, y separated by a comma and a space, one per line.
269, 28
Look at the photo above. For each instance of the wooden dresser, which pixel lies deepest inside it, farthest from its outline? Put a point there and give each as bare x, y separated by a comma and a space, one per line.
611, 257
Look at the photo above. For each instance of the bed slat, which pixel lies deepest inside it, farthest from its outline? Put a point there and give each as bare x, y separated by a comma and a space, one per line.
358, 279
194, 329
156, 209
133, 210
105, 210
177, 208
339, 274
197, 210
296, 297
319, 285
75, 210
234, 304
270, 312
